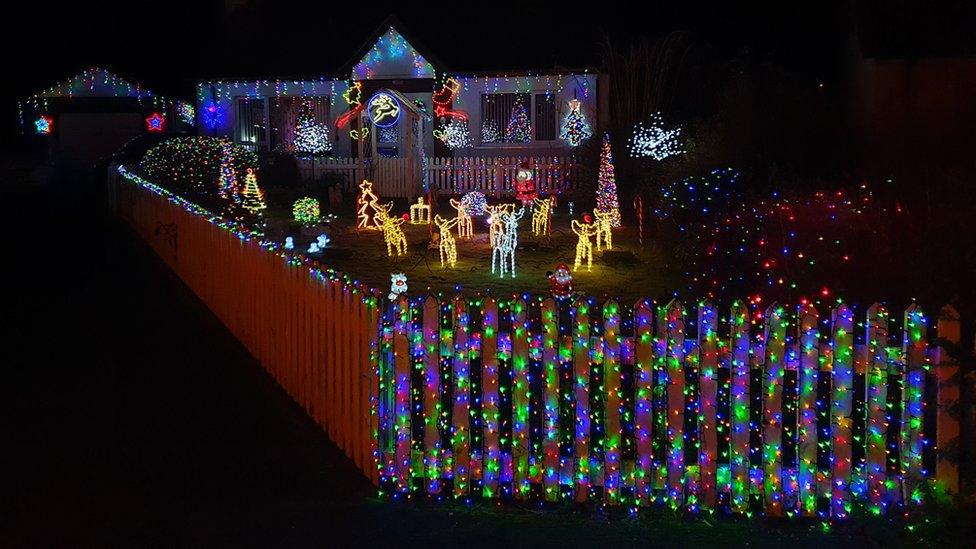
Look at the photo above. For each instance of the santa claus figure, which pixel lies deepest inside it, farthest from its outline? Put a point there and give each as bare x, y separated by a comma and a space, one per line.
524, 184
561, 281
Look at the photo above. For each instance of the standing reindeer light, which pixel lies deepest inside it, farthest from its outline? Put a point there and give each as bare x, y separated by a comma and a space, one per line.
503, 243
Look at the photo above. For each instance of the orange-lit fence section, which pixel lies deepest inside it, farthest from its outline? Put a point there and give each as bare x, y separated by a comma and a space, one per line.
314, 333
778, 411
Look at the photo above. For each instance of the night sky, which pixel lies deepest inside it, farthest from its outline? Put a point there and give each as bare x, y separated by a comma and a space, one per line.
168, 46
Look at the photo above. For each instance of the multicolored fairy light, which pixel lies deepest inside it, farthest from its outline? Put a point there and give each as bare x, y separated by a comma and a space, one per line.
252, 197
606, 191
575, 128
44, 125
654, 140
519, 129
306, 211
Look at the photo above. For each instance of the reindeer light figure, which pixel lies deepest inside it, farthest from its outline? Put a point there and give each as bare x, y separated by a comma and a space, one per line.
464, 226
540, 216
584, 247
447, 246
604, 229
504, 242
392, 233
495, 223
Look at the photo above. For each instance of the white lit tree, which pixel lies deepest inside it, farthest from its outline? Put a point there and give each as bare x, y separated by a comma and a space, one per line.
311, 136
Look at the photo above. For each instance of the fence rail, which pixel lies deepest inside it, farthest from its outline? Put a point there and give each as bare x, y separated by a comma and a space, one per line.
492, 176
783, 412
630, 405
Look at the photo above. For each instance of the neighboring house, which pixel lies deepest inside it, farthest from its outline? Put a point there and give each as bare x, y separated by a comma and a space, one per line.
95, 112
505, 114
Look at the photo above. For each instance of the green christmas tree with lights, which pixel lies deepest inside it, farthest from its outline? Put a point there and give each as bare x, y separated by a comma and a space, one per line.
252, 197
606, 189
519, 130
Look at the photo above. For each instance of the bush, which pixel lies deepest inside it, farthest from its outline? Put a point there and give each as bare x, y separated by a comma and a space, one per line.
192, 167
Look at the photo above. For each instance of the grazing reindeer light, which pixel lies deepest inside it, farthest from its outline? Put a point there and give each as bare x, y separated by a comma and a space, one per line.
504, 242
604, 229
447, 246
584, 247
540, 216
464, 226
392, 233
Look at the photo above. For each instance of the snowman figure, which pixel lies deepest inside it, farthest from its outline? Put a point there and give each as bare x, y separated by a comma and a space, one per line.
323, 240
313, 248
289, 243
398, 285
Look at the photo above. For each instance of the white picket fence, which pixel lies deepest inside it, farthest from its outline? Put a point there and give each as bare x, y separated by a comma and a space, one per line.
492, 176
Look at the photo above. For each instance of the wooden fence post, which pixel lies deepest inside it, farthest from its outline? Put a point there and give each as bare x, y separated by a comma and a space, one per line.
775, 370
947, 399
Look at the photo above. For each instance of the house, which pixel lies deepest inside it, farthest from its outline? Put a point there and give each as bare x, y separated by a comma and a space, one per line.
446, 114
93, 113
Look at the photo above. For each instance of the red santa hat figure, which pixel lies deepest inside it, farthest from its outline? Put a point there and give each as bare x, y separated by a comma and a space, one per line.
524, 184
561, 281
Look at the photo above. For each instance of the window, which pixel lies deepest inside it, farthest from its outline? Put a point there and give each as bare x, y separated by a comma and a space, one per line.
284, 114
251, 125
505, 118
545, 117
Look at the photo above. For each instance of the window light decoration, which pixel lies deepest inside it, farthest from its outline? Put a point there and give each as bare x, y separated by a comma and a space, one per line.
541, 212
575, 128
306, 210
654, 140
584, 246
419, 212
384, 110
464, 225
446, 244
519, 129
606, 192
311, 136
44, 125
392, 231
604, 229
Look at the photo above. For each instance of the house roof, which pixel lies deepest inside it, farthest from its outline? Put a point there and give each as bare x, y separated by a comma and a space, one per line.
393, 23
96, 82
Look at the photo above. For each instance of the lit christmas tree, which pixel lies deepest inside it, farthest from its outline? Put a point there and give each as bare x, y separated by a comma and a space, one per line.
252, 195
489, 131
311, 137
606, 189
519, 130
575, 127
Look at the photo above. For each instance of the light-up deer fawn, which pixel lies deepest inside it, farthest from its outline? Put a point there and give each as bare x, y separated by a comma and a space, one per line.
447, 246
604, 229
464, 226
392, 233
504, 242
584, 247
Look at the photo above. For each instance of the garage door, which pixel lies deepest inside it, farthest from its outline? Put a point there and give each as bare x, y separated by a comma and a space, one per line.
86, 137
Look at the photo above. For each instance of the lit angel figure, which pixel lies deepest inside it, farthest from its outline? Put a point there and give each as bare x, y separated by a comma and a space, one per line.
604, 229
540, 215
584, 246
446, 245
392, 233
464, 225
504, 242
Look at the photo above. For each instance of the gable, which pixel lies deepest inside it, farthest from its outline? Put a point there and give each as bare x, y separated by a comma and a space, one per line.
392, 57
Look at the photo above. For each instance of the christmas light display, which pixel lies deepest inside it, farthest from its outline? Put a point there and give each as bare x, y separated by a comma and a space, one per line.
359, 135
311, 137
383, 109
606, 192
519, 128
575, 128
504, 242
604, 229
398, 285
365, 210
541, 212
44, 125
392, 53
474, 203
323, 240
392, 231
289, 243
213, 115
306, 210
654, 140
489, 132
313, 248
420, 212
205, 169
446, 246
155, 122
353, 96
525, 190
584, 246
464, 225
252, 197
454, 134
187, 113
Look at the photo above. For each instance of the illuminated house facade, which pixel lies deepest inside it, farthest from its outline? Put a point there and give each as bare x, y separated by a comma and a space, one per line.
446, 113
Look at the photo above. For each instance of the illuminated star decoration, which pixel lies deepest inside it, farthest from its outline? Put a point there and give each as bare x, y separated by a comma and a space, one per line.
654, 140
213, 115
155, 122
44, 125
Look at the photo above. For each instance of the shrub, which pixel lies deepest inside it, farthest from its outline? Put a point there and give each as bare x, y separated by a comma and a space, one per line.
206, 170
